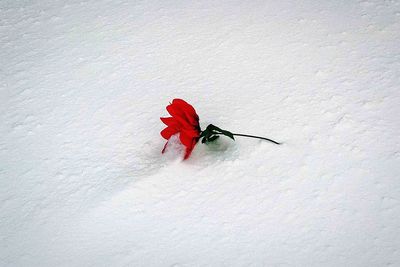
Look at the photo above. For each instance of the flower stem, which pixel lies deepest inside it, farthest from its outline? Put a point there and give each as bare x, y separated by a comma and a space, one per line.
258, 137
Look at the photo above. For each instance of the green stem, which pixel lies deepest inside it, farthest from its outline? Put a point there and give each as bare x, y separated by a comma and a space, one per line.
258, 137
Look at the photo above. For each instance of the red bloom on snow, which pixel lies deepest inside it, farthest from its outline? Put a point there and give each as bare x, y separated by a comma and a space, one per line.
184, 121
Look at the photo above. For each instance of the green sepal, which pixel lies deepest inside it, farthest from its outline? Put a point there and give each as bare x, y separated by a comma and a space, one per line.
212, 132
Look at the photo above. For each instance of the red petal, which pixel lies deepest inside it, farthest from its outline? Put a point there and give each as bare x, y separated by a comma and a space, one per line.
188, 110
189, 142
168, 132
185, 106
191, 132
181, 109
175, 111
186, 140
170, 121
189, 150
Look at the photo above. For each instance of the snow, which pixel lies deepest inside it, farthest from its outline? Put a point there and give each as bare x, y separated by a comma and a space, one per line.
82, 179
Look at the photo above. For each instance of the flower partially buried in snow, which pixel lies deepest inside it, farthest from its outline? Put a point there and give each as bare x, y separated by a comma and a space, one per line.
185, 122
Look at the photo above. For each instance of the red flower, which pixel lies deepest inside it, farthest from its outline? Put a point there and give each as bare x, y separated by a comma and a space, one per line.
184, 121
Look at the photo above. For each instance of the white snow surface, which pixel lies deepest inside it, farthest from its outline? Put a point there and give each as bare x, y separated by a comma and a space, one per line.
82, 87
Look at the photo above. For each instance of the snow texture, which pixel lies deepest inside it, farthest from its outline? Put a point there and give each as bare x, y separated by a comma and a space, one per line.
82, 87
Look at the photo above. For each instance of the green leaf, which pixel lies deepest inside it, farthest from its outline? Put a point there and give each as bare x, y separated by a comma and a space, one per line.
212, 131
220, 131
213, 138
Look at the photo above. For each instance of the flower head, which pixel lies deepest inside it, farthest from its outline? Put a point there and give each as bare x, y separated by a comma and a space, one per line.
184, 121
